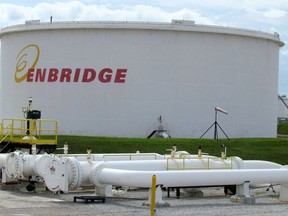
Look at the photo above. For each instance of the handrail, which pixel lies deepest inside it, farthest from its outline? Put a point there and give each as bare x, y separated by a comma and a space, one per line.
31, 131
205, 167
2, 132
131, 155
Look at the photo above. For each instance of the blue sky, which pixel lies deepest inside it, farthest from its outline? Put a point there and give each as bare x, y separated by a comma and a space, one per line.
261, 15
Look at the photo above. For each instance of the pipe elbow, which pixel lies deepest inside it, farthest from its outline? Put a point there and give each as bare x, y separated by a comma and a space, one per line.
237, 163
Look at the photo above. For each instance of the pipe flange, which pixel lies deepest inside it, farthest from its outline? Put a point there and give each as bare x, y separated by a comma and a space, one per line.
40, 167
95, 172
76, 177
81, 171
14, 165
54, 177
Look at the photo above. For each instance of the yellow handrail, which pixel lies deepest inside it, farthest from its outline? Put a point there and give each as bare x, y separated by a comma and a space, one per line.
183, 166
31, 131
2, 132
131, 155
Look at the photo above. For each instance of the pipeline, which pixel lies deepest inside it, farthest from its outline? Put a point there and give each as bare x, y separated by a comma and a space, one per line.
260, 164
82, 173
189, 178
68, 173
116, 157
22, 165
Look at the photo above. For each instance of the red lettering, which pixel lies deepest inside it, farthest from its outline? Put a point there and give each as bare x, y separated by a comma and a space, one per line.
120, 76
53, 75
105, 75
77, 74
88, 75
40, 75
30, 75
65, 74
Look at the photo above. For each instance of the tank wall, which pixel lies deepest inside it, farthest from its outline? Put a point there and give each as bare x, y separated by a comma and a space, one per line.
181, 76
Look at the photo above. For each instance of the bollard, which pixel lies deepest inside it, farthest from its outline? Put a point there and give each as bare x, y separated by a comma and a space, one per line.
153, 196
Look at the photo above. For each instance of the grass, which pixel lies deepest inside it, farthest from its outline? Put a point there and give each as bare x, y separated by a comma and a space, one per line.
282, 127
270, 149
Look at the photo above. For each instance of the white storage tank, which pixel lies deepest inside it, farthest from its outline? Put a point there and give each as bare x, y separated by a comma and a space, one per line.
118, 78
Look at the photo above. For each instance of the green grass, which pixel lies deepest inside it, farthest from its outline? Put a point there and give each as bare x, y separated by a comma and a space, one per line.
270, 149
282, 127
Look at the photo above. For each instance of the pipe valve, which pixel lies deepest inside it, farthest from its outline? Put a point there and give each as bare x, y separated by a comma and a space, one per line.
199, 152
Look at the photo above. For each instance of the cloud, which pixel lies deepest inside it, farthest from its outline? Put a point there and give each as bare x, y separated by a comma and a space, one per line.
10, 13
271, 15
77, 11
242, 13
275, 13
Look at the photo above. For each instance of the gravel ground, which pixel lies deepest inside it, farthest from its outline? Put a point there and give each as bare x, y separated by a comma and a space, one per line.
22, 203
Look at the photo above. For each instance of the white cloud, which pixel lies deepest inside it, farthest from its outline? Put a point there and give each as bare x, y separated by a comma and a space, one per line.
76, 10
242, 13
275, 13
10, 13
270, 15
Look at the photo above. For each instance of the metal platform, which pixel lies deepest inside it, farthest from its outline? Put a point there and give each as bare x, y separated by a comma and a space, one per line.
21, 133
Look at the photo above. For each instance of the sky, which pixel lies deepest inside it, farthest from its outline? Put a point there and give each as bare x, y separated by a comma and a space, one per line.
260, 15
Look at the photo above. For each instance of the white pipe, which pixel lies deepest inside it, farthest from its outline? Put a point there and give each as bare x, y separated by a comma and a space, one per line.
260, 164
80, 173
88, 171
3, 159
63, 173
138, 172
22, 165
86, 168
19, 165
14, 165
74, 174
178, 164
3, 168
118, 157
190, 178
29, 164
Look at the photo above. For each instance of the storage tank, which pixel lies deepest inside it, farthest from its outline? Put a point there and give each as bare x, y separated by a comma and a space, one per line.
117, 78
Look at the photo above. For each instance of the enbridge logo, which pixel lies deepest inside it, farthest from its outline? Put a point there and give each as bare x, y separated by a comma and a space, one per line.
27, 71
27, 59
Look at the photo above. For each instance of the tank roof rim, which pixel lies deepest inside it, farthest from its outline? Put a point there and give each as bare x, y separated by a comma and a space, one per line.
175, 25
